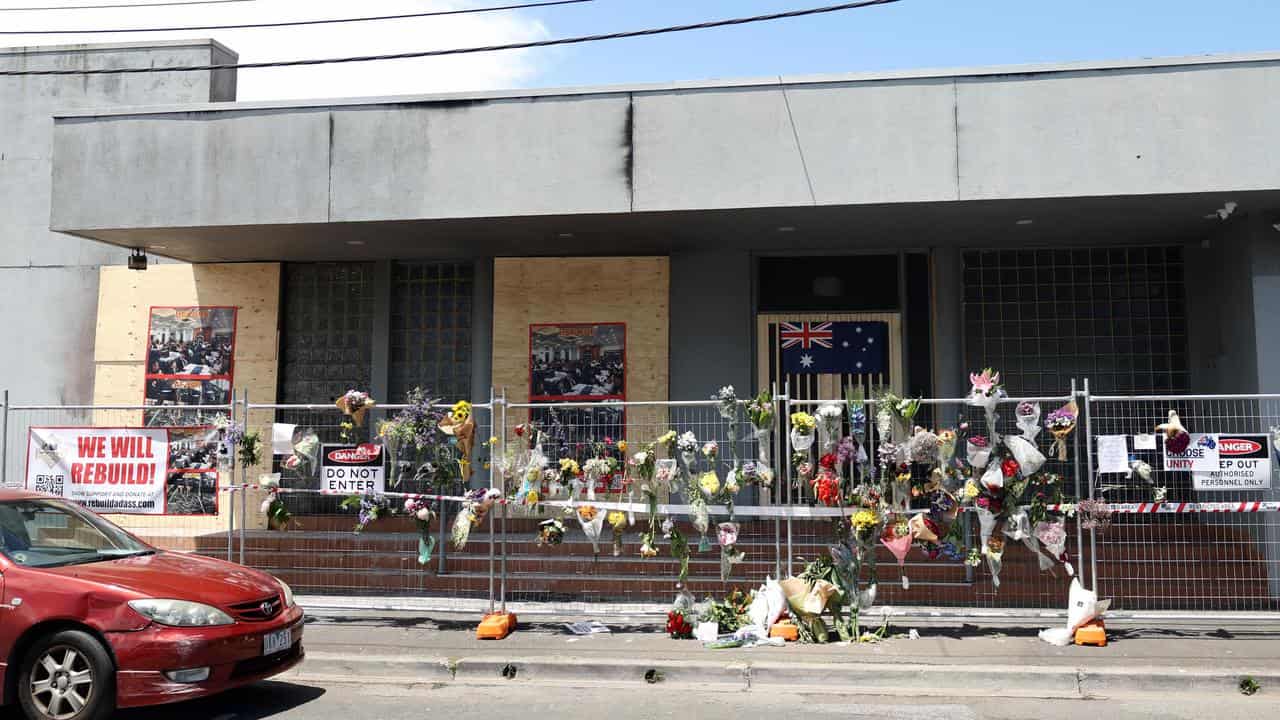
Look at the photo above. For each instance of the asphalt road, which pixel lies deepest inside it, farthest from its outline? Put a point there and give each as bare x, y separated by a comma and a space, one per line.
302, 701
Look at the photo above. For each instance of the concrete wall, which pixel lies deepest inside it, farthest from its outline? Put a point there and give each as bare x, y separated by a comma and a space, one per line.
1181, 126
51, 279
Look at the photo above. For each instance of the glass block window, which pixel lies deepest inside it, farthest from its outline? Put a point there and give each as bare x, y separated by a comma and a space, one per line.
326, 339
431, 328
1115, 315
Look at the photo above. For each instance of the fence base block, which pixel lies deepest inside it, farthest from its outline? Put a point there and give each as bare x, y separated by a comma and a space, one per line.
1092, 633
496, 626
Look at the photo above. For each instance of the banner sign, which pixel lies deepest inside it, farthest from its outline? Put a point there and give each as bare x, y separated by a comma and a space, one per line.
107, 470
352, 469
1201, 455
1244, 463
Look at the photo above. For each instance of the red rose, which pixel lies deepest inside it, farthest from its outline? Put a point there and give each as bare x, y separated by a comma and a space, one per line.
520, 430
828, 461
1009, 467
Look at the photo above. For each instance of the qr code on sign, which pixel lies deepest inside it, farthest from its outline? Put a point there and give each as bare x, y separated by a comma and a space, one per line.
51, 484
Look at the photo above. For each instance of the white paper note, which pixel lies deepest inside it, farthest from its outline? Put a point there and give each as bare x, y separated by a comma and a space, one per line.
282, 438
1144, 442
1113, 454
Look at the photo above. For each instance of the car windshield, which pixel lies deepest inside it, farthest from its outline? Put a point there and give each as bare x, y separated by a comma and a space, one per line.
52, 533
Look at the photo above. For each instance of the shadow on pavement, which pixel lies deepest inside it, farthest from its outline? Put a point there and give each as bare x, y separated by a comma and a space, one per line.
253, 702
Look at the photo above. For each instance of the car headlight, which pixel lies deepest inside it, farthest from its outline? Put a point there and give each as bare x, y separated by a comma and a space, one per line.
180, 613
288, 593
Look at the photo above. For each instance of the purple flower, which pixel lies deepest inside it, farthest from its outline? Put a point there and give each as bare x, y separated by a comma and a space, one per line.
846, 450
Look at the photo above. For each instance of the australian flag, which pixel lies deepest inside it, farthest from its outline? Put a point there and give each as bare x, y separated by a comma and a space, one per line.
856, 348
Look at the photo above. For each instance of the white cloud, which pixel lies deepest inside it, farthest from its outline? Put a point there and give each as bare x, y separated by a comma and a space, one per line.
482, 71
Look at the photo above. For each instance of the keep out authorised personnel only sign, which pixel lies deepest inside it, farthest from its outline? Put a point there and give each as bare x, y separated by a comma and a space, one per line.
352, 469
1244, 463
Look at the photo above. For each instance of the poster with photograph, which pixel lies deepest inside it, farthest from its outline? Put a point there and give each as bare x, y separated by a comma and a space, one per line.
579, 363
190, 352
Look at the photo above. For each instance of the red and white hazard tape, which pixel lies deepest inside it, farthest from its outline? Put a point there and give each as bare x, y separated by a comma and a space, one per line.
1185, 507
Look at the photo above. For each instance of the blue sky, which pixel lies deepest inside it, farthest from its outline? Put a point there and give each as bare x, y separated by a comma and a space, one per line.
908, 34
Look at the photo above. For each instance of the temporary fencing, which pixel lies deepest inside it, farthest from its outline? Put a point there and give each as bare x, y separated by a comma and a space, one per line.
1177, 540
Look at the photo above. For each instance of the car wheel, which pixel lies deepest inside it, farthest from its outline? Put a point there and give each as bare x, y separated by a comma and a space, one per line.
67, 676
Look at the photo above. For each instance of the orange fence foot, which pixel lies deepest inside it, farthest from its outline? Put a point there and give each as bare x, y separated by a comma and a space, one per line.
496, 626
1092, 633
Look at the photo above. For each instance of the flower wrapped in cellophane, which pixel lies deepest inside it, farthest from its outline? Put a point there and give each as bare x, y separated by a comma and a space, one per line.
993, 478
477, 504
1061, 423
550, 532
1027, 416
760, 410
1052, 535
354, 404
1027, 455
826, 486
421, 512
701, 521
830, 418
618, 523
985, 391
803, 426
664, 473
591, 519
897, 538
946, 446
687, 446
1176, 437
727, 534
856, 408
994, 552
978, 451
922, 448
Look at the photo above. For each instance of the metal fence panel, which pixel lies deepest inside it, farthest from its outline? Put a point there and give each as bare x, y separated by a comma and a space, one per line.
1152, 559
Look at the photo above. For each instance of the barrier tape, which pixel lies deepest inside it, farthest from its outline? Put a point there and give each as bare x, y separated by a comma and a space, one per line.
806, 512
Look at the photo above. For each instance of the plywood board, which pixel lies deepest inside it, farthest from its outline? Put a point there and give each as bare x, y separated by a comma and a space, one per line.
125, 298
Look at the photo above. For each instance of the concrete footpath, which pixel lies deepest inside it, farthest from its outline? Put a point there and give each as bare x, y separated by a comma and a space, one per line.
949, 658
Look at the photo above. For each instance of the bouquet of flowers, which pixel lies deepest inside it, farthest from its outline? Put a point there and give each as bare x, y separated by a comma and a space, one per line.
592, 522
461, 426
278, 515
550, 532
946, 446
1027, 415
923, 447
477, 504
855, 405
618, 522
897, 538
830, 418
369, 507
687, 445
727, 534
760, 411
1026, 456
421, 513
1060, 423
994, 552
701, 520
826, 486
354, 404
678, 625
569, 476
802, 428
986, 391
1094, 514
416, 444
1052, 534
679, 548
596, 469
306, 453
1176, 437
648, 545
665, 471
978, 450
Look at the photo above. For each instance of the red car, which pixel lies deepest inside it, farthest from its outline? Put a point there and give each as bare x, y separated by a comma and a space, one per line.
93, 619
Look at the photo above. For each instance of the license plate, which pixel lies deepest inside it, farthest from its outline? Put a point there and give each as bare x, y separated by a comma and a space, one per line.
275, 642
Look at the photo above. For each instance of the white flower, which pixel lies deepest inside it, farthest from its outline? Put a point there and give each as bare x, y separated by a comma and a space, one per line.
830, 411
688, 442
640, 458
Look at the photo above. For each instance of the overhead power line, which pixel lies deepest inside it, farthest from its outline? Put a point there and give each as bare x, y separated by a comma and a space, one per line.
467, 51
170, 3
295, 23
